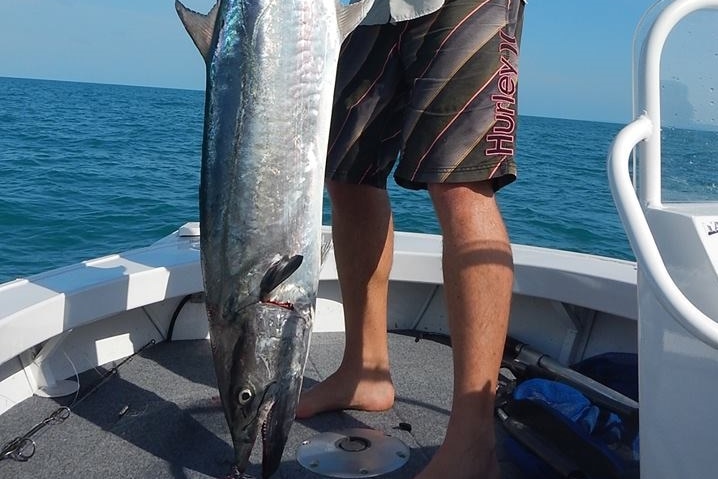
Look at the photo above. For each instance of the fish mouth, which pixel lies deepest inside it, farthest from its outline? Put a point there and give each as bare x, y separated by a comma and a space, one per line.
268, 403
272, 446
275, 431
245, 428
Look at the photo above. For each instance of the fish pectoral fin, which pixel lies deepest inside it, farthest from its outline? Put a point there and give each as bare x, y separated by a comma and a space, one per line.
278, 272
350, 16
200, 27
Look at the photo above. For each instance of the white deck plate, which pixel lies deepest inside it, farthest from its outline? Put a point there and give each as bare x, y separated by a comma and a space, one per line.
351, 453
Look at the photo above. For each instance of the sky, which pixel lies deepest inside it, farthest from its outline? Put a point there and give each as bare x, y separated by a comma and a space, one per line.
575, 60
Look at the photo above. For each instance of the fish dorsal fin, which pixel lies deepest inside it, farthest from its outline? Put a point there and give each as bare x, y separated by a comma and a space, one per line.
278, 272
200, 27
350, 16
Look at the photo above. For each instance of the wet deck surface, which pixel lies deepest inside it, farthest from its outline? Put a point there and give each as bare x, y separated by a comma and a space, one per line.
159, 417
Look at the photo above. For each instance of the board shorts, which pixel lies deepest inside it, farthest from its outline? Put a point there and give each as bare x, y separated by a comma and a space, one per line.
434, 96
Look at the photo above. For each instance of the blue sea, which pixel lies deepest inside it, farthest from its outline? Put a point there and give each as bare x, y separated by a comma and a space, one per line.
88, 170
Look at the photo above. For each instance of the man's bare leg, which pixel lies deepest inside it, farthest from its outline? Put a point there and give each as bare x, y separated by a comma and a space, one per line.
478, 277
363, 233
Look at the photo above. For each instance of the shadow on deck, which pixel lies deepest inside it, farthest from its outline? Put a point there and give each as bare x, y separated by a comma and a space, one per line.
159, 417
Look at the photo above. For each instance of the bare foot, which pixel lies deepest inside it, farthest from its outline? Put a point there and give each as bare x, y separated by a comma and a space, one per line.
369, 390
469, 447
462, 461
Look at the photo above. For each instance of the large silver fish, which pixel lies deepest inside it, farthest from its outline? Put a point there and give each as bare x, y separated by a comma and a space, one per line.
271, 66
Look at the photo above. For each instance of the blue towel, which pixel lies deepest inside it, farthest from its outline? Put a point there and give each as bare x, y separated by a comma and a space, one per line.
574, 406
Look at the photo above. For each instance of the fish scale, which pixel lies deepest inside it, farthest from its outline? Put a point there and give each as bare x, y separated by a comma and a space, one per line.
270, 75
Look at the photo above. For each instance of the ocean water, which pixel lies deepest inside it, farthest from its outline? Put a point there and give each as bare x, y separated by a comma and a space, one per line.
88, 170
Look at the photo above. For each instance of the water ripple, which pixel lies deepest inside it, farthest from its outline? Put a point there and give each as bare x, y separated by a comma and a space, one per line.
89, 170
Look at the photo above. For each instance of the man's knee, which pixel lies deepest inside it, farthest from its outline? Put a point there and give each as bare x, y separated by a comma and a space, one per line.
450, 195
360, 199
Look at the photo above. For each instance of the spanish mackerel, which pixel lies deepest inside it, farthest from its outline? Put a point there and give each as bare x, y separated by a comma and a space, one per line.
271, 66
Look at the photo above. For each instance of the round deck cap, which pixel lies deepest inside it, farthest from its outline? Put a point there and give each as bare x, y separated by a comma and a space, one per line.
352, 453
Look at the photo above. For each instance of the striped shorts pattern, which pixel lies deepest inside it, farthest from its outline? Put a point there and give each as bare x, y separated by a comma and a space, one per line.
438, 94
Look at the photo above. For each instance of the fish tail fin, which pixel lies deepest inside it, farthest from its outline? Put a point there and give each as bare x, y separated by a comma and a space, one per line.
200, 27
350, 16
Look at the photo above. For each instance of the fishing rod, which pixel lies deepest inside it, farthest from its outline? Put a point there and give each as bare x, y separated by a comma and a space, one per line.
592, 389
22, 448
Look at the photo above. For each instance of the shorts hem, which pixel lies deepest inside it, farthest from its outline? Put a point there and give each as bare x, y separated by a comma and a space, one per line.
422, 182
348, 178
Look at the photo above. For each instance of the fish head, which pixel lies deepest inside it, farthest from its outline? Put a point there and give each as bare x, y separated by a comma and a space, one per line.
246, 385
259, 377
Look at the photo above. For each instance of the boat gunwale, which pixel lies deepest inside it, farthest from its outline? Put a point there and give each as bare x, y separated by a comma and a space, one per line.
35, 309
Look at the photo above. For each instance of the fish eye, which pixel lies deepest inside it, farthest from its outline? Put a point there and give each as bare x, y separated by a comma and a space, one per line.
244, 396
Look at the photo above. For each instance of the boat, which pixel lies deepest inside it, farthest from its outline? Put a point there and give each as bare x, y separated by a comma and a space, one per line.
106, 370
